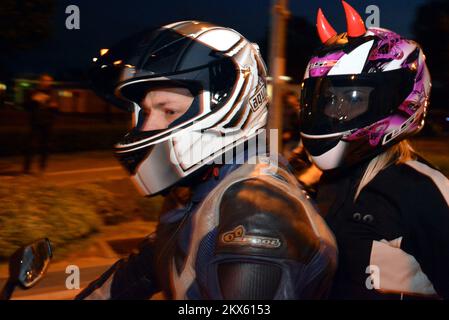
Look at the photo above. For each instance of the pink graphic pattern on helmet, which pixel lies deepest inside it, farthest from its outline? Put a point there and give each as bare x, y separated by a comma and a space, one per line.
374, 133
419, 95
389, 47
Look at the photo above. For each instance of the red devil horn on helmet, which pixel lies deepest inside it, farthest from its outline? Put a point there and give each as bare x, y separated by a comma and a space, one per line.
325, 30
355, 24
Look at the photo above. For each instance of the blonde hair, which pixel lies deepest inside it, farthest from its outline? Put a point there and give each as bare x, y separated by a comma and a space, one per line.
399, 153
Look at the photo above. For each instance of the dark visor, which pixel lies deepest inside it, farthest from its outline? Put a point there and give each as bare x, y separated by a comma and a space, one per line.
164, 53
340, 103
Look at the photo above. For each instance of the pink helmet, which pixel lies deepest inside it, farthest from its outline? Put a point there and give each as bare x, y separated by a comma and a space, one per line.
363, 91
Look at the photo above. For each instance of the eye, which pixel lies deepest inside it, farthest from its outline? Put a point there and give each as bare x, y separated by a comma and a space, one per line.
357, 95
329, 99
170, 112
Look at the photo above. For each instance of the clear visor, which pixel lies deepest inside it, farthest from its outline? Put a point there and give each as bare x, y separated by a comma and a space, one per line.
345, 102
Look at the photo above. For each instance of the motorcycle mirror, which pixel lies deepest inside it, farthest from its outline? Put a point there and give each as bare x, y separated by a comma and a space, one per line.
29, 263
27, 266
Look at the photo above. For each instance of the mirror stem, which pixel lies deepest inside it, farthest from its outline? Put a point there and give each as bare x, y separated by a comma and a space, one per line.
7, 290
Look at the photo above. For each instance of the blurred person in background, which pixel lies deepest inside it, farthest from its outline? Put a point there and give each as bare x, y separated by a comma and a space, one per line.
42, 107
290, 129
364, 93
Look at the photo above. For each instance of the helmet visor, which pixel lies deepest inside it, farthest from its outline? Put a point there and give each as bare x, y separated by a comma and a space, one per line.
340, 103
159, 54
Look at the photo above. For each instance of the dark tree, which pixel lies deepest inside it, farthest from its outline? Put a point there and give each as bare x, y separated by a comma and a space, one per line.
24, 24
431, 29
302, 40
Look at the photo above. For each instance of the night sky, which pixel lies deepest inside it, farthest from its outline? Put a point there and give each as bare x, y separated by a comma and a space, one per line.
105, 22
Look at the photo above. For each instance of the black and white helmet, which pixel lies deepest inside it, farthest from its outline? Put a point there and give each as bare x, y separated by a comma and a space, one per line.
224, 72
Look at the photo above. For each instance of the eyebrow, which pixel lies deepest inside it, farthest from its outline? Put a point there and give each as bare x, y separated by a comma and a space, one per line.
168, 103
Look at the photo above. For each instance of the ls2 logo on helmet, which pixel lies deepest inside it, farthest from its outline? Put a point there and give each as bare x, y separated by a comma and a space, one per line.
238, 236
259, 99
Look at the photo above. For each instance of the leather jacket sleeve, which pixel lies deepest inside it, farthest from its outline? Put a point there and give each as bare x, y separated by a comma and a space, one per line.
131, 278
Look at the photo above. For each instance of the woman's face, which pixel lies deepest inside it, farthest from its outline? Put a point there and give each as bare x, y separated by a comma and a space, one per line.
163, 106
347, 103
